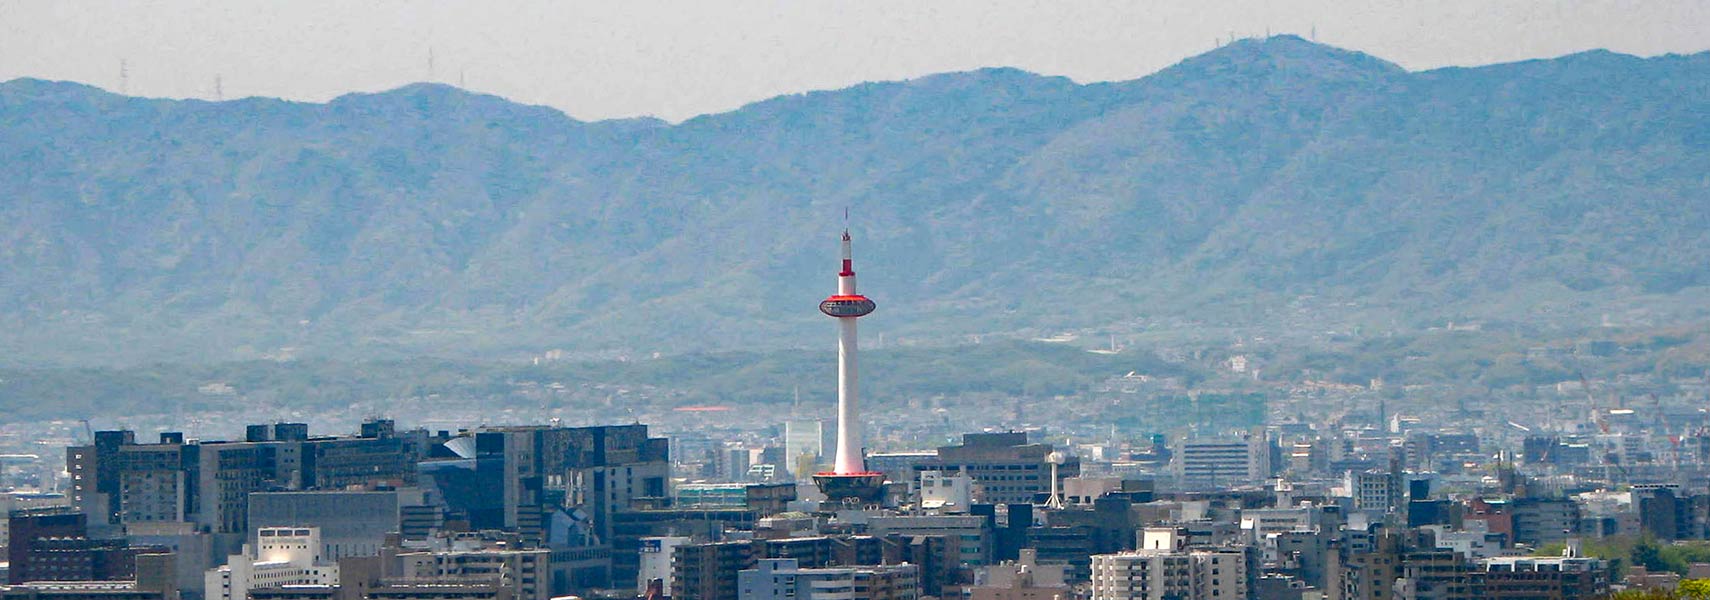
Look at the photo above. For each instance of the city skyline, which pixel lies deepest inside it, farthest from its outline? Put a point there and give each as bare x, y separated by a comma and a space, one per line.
1283, 312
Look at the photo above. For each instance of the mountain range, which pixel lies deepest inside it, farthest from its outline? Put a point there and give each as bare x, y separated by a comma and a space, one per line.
1270, 183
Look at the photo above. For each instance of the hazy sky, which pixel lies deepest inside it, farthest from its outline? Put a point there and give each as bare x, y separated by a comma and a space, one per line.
679, 59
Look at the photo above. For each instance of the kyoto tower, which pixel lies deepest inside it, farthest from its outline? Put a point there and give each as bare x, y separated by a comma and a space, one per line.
849, 480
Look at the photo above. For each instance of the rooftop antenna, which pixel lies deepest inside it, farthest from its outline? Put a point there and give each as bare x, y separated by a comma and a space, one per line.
1056, 500
124, 77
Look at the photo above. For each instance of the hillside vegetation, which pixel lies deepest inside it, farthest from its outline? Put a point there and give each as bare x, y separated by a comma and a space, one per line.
431, 221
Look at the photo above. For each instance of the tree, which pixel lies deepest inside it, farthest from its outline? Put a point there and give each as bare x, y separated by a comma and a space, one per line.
1647, 555
1693, 589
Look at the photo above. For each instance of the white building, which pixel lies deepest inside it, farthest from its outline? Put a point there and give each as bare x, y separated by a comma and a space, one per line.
1238, 363
1214, 574
1474, 540
784, 579
946, 492
656, 555
281, 556
1256, 523
805, 443
1375, 490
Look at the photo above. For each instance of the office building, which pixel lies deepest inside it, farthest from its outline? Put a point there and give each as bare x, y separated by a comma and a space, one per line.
972, 538
119, 481
525, 574
655, 562
1168, 574
1005, 468
288, 556
1211, 464
784, 579
1541, 578
709, 571
1023, 579
350, 523
805, 444
54, 544
1376, 490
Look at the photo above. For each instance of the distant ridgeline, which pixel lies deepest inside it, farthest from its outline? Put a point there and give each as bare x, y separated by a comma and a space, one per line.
1270, 183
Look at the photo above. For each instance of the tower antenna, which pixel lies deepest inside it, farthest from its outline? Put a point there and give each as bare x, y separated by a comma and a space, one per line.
124, 77
219, 88
1056, 500
430, 63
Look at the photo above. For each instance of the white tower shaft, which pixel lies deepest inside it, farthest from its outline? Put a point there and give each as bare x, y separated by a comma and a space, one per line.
849, 458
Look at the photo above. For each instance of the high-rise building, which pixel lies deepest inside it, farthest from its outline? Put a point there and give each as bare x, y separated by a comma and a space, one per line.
525, 573
53, 544
1209, 464
1376, 490
656, 556
736, 463
784, 579
1169, 574
1369, 570
516, 477
1539, 521
1006, 469
805, 444
118, 481
10, 501
94, 471
709, 571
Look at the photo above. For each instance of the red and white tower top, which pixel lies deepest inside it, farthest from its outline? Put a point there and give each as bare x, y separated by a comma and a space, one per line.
847, 303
